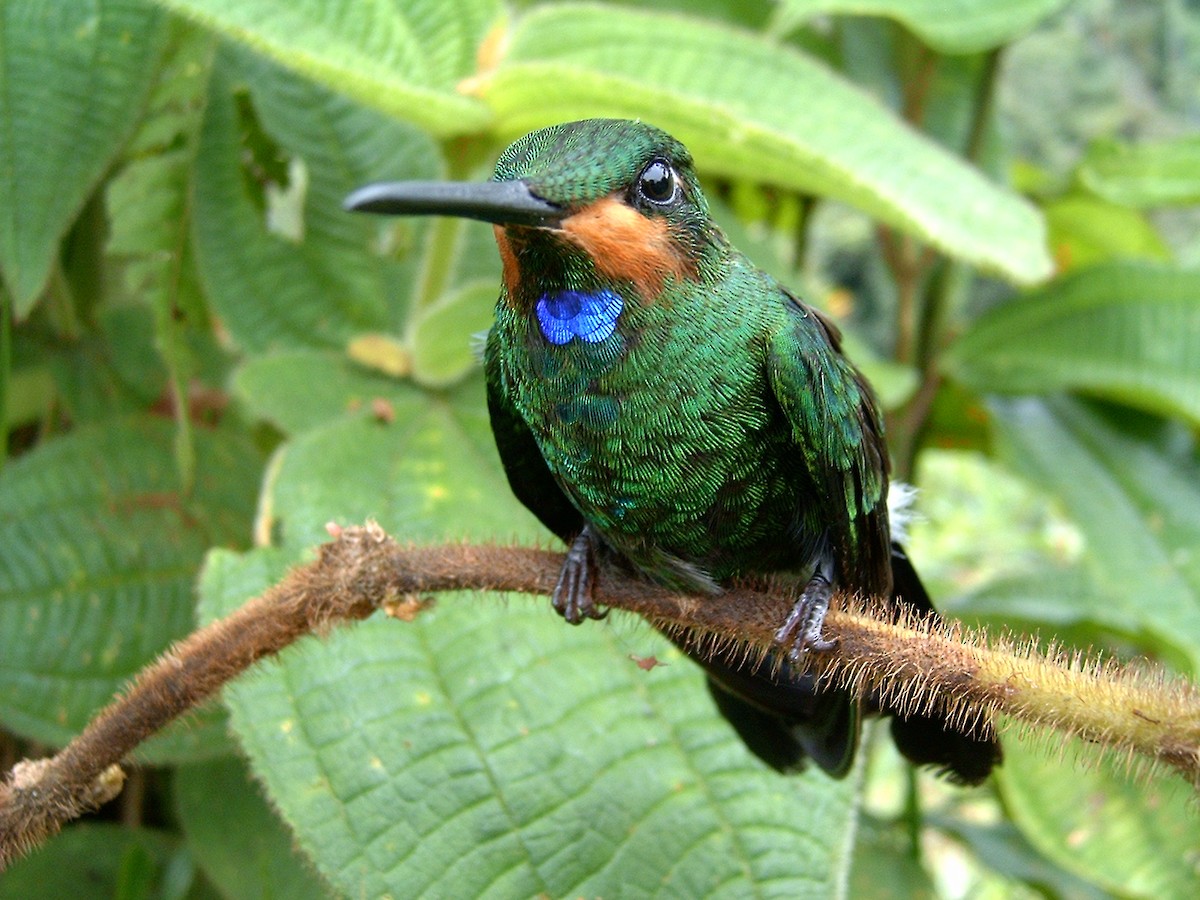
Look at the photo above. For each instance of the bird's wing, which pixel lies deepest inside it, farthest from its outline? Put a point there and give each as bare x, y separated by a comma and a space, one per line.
838, 430
528, 475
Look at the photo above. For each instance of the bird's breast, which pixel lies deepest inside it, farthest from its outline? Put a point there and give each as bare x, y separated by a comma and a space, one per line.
655, 420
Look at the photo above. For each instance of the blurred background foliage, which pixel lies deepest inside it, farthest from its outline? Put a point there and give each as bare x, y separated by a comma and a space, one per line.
203, 360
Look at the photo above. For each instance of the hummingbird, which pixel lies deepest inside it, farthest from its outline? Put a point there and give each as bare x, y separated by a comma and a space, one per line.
662, 404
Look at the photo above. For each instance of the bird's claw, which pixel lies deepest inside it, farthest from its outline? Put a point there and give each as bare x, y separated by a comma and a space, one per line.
574, 595
804, 629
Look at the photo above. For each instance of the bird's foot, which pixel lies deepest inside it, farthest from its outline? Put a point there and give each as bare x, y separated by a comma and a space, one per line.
803, 630
574, 595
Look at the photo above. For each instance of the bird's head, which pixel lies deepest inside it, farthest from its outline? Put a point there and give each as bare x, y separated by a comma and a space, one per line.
579, 206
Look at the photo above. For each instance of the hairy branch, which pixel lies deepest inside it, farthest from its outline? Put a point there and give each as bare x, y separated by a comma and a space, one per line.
917, 664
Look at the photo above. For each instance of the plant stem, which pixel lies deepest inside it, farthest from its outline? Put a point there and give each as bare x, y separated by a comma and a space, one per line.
5, 370
914, 821
928, 333
914, 665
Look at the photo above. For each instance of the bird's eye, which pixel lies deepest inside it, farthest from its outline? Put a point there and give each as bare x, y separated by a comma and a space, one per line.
657, 182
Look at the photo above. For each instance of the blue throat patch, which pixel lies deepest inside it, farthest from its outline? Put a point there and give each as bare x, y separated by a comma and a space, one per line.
591, 317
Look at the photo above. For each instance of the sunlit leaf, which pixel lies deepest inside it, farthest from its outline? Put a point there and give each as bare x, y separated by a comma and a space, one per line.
321, 289
1124, 331
1086, 230
73, 78
447, 336
952, 26
404, 59
1133, 837
297, 390
1137, 505
765, 112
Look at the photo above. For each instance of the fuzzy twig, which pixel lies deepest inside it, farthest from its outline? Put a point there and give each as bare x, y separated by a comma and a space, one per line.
917, 665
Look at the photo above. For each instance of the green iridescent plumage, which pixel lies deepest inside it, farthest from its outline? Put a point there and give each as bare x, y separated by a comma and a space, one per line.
657, 398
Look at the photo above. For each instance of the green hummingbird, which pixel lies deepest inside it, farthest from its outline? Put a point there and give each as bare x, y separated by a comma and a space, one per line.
661, 403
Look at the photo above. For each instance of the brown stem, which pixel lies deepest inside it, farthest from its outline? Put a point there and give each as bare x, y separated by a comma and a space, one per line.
899, 255
917, 86
917, 664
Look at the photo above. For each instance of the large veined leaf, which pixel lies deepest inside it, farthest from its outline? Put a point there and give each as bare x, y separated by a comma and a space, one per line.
404, 58
1145, 175
486, 749
108, 372
1137, 505
952, 26
297, 390
1131, 836
1123, 330
312, 282
152, 189
73, 78
149, 210
101, 550
751, 108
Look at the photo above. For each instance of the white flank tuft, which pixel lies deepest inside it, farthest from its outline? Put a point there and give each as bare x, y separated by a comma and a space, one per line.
902, 501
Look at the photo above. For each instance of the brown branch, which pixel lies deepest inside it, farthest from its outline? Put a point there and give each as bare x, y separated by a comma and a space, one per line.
916, 663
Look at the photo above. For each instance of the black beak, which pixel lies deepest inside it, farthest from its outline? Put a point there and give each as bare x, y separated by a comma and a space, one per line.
499, 202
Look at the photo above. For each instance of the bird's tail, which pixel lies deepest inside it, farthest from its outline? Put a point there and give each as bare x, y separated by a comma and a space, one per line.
784, 719
930, 740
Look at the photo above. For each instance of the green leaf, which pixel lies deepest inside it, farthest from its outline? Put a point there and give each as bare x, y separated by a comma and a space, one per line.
296, 390
1136, 503
1003, 849
149, 208
486, 749
101, 551
1126, 331
1061, 599
445, 334
94, 860
884, 865
404, 59
432, 473
764, 112
318, 285
1087, 230
1164, 173
110, 371
445, 758
1135, 837
238, 841
951, 26
978, 524
73, 79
